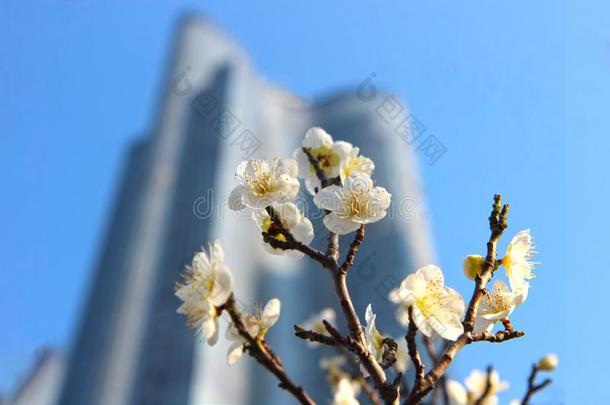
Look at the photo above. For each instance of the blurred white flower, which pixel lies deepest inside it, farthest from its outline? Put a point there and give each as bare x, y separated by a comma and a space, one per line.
315, 323
256, 325
293, 220
548, 362
374, 339
517, 262
402, 357
498, 305
333, 367
356, 202
263, 182
475, 387
346, 392
335, 159
436, 308
207, 284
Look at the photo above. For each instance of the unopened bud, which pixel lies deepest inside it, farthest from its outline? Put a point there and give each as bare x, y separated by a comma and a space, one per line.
473, 264
548, 362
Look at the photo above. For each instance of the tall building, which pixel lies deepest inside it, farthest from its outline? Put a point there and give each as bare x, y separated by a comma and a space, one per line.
131, 346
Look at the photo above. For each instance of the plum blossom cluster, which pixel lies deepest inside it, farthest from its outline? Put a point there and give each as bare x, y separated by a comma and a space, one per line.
366, 361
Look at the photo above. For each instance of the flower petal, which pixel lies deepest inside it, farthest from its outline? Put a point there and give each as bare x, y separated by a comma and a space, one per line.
340, 226
271, 312
329, 198
316, 137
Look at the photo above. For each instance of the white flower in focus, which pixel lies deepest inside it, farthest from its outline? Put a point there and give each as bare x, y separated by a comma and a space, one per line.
293, 220
256, 325
374, 339
548, 362
207, 284
346, 393
315, 323
355, 203
474, 388
436, 308
497, 306
353, 164
517, 262
263, 182
335, 159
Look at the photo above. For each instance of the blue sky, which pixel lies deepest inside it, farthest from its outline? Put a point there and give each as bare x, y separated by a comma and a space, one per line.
501, 85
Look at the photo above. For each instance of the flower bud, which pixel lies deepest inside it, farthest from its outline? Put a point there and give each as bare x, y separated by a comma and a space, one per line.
473, 264
548, 362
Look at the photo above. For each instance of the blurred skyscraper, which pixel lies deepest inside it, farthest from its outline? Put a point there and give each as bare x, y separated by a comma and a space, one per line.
131, 346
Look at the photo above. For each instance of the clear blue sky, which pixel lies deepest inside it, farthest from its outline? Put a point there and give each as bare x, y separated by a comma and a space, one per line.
501, 84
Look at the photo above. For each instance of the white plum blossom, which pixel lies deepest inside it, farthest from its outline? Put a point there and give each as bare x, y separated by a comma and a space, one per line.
498, 305
207, 285
353, 164
346, 392
474, 388
293, 220
263, 182
436, 308
333, 367
516, 261
315, 323
335, 159
355, 203
256, 325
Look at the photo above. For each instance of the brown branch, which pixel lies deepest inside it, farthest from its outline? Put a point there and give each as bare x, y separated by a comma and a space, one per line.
260, 351
497, 225
487, 389
532, 387
370, 391
356, 342
433, 355
420, 369
353, 249
314, 336
389, 354
291, 243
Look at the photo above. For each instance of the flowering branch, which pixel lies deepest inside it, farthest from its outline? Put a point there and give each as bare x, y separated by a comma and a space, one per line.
260, 351
340, 181
497, 224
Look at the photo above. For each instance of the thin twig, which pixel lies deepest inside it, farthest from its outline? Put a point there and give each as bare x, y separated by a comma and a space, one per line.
353, 249
532, 387
314, 336
433, 355
260, 351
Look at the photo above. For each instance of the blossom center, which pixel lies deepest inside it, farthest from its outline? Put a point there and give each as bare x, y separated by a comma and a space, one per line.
263, 179
358, 204
272, 229
325, 157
